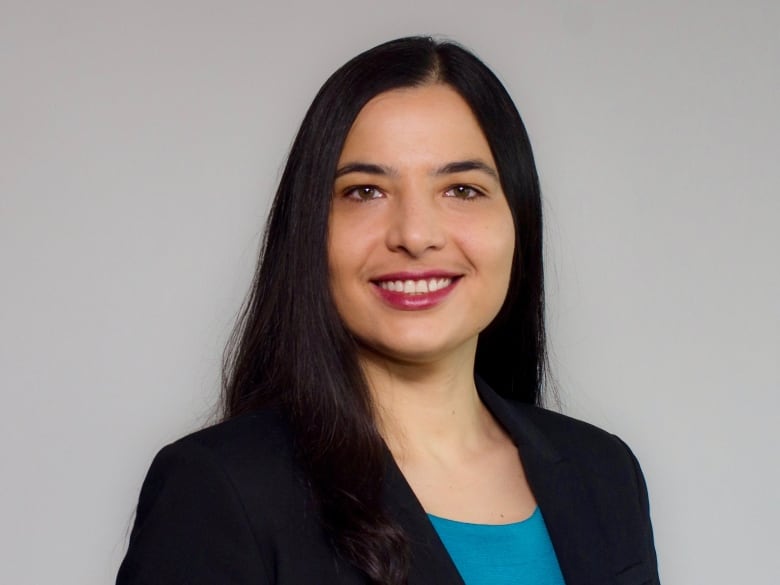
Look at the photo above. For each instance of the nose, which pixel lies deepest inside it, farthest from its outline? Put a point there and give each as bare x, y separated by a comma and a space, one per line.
416, 225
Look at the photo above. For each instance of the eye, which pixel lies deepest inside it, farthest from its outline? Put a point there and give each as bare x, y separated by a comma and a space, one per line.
463, 192
363, 193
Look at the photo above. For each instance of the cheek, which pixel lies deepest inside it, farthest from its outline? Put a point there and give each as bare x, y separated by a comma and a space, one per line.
503, 253
339, 282
336, 270
505, 238
348, 250
509, 249
341, 292
499, 257
339, 250
494, 245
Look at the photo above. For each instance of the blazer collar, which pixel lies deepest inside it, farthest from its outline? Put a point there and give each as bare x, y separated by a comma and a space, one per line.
560, 490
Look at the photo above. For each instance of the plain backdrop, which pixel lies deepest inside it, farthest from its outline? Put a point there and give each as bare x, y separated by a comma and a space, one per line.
140, 144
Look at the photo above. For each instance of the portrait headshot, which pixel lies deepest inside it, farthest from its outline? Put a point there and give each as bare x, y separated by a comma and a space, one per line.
393, 295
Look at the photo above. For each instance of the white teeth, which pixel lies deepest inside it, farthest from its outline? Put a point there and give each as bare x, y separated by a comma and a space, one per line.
411, 287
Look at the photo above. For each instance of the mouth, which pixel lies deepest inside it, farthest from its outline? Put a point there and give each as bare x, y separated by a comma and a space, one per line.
415, 286
415, 291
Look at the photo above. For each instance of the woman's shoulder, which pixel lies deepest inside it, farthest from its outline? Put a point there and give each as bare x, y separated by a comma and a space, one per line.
563, 427
575, 440
254, 449
258, 434
219, 497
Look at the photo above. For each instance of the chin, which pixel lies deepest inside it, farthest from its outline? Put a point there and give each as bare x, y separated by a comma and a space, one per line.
418, 349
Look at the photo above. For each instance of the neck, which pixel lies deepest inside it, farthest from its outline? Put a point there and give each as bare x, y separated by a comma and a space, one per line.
428, 409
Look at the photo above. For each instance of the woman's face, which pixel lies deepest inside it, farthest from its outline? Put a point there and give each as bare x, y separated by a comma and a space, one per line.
421, 237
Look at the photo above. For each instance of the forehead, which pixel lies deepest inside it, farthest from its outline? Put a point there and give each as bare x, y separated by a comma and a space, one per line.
419, 126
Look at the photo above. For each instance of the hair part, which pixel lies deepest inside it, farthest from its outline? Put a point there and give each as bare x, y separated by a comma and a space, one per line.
291, 349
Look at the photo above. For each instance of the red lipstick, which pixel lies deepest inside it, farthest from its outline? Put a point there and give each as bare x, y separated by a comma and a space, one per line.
415, 291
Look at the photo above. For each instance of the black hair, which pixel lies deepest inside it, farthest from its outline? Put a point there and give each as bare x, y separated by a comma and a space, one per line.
290, 348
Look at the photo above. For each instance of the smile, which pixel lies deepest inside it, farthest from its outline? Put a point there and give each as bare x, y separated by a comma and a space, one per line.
412, 287
415, 292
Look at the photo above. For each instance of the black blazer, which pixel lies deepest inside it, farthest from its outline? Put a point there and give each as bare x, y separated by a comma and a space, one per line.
228, 506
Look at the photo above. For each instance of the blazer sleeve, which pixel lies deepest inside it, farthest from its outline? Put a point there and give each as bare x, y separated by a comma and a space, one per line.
648, 541
191, 526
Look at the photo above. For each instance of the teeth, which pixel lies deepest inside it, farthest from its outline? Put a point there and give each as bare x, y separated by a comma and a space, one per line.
411, 287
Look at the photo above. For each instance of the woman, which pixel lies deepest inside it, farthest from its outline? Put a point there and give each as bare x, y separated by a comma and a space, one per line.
380, 395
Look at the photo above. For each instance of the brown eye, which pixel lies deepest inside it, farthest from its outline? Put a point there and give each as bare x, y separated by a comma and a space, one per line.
463, 192
363, 193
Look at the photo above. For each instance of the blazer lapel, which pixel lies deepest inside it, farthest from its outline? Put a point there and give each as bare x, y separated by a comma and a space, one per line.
560, 490
561, 493
430, 562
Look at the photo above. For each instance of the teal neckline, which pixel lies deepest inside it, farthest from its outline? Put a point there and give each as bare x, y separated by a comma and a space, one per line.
456, 523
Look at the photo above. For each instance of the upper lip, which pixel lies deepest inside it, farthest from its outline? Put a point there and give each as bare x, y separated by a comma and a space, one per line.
415, 275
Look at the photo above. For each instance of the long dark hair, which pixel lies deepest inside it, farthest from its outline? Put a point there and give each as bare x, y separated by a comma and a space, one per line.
291, 349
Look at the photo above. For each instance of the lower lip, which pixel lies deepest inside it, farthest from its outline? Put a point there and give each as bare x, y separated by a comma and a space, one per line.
417, 301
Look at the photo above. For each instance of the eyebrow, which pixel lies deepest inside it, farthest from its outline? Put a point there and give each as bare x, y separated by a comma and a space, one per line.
367, 168
448, 169
466, 165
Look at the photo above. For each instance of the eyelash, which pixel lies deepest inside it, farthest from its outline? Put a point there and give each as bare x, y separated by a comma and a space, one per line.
359, 193
475, 193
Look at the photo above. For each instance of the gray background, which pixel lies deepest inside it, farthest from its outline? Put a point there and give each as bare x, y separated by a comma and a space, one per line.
141, 142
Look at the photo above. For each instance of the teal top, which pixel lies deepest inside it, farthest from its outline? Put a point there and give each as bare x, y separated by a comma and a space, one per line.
520, 553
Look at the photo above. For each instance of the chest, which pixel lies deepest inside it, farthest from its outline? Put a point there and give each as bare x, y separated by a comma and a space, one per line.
487, 489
